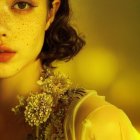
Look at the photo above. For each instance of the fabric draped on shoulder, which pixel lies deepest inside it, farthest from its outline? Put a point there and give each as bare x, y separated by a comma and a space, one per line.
93, 118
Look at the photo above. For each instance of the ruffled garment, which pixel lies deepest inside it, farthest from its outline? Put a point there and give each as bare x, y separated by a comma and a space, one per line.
93, 118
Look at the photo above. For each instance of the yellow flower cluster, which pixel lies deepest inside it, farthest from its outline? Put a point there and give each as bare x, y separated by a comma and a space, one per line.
39, 106
18, 108
38, 109
56, 84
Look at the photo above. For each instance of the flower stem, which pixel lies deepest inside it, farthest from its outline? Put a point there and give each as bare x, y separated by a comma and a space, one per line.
37, 132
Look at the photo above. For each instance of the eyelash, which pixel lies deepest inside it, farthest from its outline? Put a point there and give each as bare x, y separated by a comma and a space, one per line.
24, 9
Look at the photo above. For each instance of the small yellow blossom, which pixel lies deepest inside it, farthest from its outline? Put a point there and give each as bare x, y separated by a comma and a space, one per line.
38, 109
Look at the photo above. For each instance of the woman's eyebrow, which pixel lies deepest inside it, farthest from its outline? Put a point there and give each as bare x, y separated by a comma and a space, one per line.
31, 1
23, 0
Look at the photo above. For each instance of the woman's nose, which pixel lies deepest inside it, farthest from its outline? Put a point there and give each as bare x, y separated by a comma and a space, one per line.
2, 37
5, 19
4, 28
3, 34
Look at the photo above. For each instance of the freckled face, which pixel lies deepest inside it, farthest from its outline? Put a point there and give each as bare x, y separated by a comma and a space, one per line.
22, 29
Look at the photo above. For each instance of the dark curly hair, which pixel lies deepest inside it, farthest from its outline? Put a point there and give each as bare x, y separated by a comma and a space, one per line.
62, 41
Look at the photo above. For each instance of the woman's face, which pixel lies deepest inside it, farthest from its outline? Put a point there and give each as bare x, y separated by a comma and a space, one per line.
22, 29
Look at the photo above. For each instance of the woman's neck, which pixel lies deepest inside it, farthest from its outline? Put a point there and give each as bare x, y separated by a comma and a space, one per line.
22, 82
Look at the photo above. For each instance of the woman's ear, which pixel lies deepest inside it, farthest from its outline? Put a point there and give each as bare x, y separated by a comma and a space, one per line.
52, 12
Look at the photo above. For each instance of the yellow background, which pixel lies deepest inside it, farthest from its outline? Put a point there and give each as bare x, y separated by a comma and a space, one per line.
109, 63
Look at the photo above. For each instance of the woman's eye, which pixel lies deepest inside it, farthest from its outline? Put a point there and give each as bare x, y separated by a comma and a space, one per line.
22, 6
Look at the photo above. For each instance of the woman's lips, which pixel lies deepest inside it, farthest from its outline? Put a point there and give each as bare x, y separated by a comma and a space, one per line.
6, 54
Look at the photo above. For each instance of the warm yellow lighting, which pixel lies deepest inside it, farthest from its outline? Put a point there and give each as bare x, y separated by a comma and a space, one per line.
97, 67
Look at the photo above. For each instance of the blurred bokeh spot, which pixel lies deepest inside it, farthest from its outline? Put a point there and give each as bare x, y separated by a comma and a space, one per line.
110, 61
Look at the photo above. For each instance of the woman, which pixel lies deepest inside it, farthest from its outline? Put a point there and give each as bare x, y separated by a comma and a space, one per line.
33, 34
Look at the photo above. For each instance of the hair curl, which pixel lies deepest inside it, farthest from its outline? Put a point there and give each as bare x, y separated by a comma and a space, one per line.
61, 42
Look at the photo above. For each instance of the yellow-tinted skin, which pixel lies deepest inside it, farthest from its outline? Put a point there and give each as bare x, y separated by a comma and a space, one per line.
24, 23
24, 29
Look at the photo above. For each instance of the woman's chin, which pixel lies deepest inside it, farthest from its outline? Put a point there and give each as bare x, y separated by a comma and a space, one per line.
6, 74
8, 70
